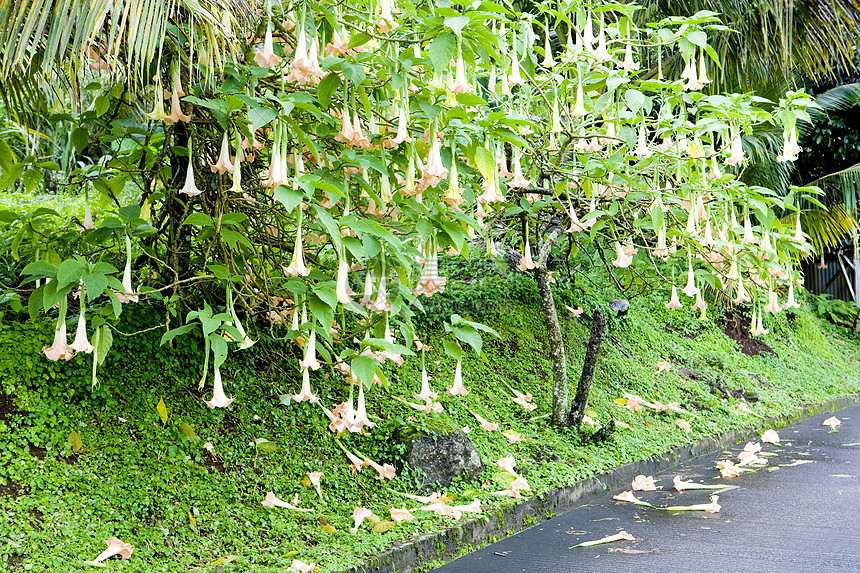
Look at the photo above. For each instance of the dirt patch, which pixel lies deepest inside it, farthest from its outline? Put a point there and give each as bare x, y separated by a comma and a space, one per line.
14, 561
12, 489
37, 452
737, 327
7, 406
718, 387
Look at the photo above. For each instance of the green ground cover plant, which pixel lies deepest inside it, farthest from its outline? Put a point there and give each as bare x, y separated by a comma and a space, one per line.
81, 464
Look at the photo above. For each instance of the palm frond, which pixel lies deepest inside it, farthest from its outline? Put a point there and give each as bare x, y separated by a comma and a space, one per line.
775, 40
841, 187
51, 35
827, 228
839, 98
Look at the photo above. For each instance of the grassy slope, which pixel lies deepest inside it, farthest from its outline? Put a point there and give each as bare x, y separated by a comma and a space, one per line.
144, 482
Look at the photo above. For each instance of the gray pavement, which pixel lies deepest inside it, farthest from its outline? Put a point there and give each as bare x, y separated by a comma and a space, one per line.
804, 518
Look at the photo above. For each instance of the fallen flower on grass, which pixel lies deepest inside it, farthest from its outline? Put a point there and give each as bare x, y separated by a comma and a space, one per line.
386, 471
630, 498
684, 425
513, 437
643, 483
314, 478
770, 437
574, 312
401, 514
272, 501
620, 536
712, 507
486, 425
633, 403
359, 515
474, 507
524, 400
728, 469
514, 488
302, 567
682, 485
114, 547
435, 496
833, 422
663, 366
441, 508
743, 408
507, 464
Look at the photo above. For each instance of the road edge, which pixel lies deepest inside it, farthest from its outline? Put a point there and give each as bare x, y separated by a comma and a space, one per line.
446, 544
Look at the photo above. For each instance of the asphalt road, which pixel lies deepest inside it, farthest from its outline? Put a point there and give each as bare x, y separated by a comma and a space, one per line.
803, 518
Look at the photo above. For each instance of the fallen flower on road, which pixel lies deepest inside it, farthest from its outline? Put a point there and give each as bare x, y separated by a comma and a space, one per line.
796, 463
712, 507
630, 498
643, 483
833, 422
728, 469
620, 536
682, 485
770, 437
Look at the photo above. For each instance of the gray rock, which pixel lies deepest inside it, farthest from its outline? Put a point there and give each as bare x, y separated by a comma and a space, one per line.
440, 456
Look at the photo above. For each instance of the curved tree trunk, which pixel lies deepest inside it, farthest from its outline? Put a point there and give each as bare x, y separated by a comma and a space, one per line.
589, 365
556, 344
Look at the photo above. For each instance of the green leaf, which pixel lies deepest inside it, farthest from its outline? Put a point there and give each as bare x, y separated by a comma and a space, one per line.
105, 342
80, 138
198, 220
161, 408
635, 99
699, 38
353, 72
656, 216
441, 50
101, 105
260, 116
265, 446
364, 368
70, 272
288, 197
40, 269
471, 337
189, 432
484, 161
7, 156
75, 441
327, 87
321, 311
457, 23
95, 284
173, 333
